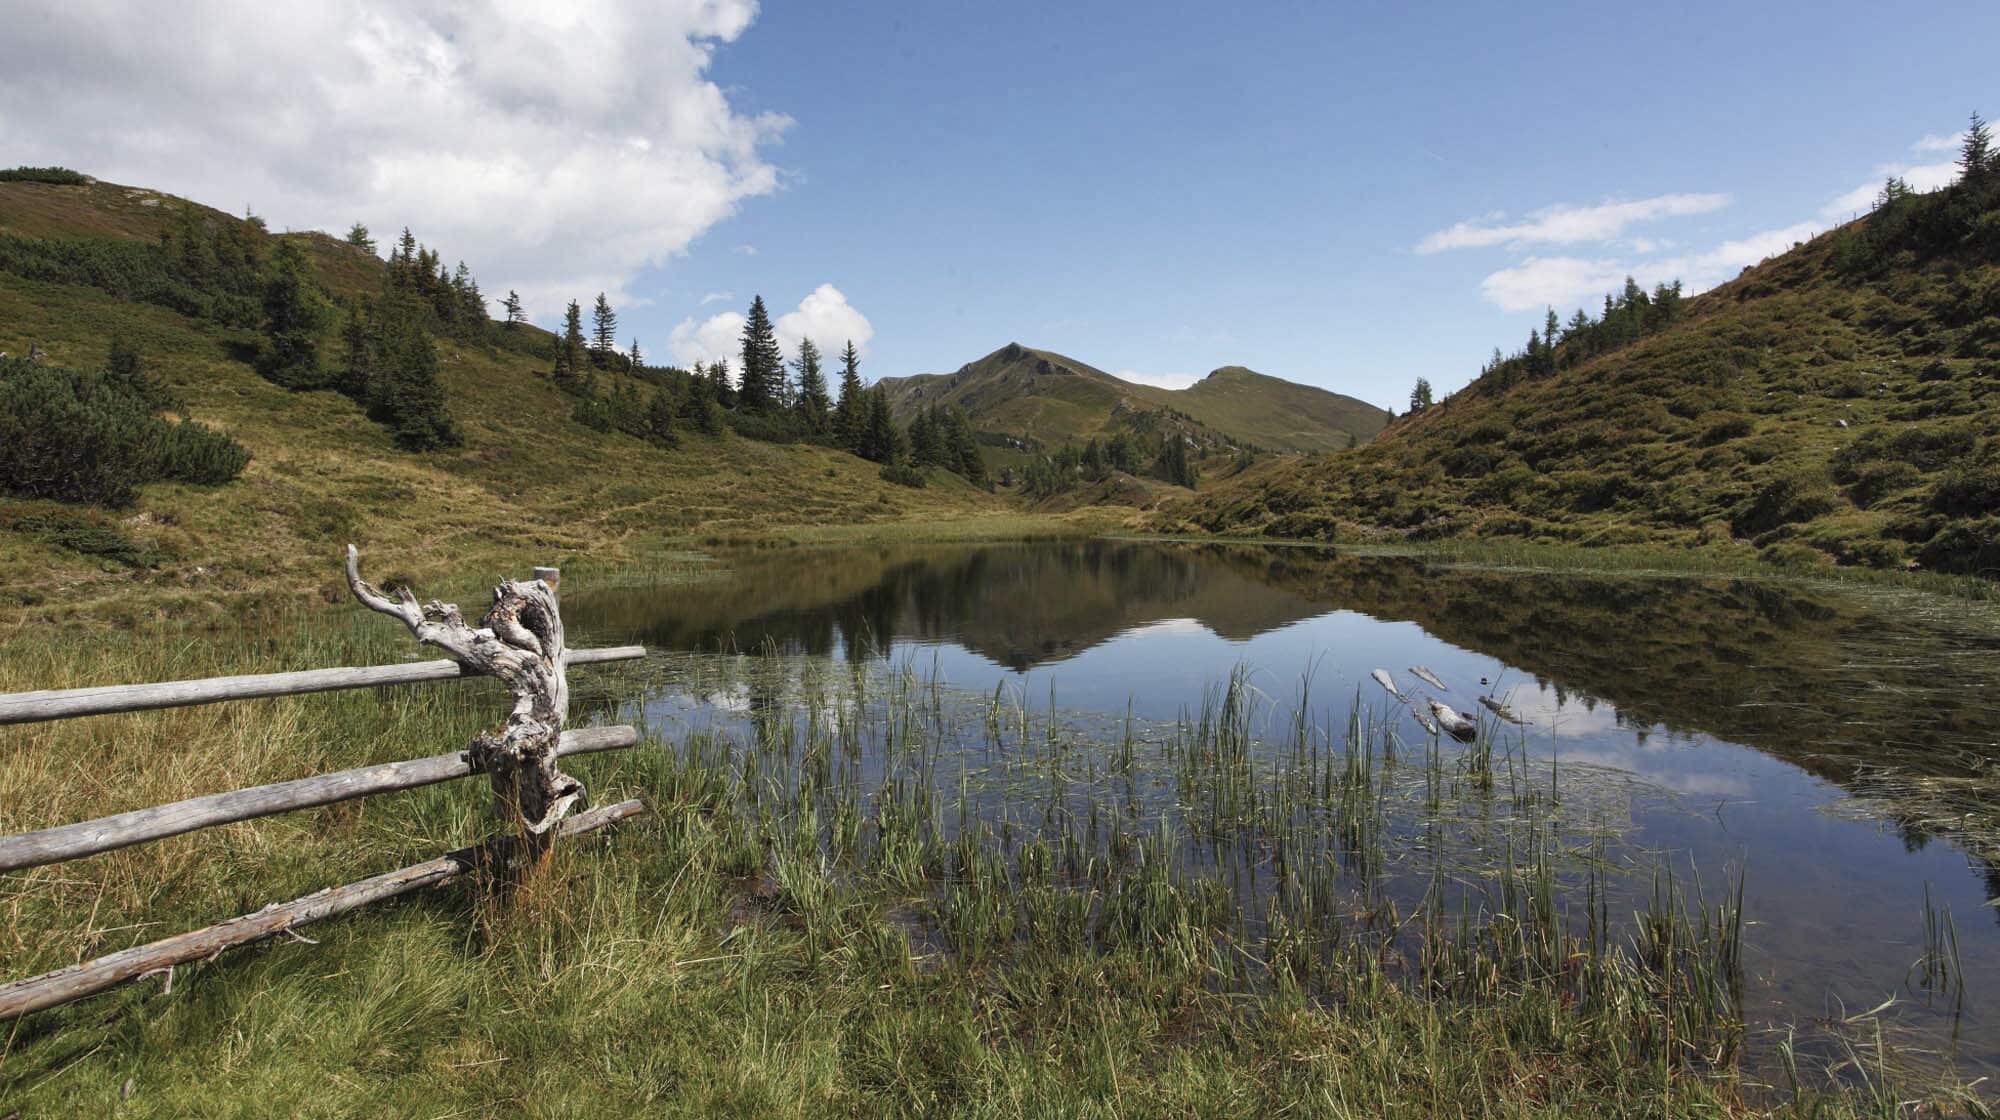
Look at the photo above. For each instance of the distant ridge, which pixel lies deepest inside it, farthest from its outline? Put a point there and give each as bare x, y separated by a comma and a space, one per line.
1047, 398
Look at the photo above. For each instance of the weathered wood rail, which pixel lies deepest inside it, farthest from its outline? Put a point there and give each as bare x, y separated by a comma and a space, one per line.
520, 641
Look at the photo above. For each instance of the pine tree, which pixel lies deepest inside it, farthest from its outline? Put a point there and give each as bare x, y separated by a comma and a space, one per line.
294, 315
568, 371
357, 370
883, 441
812, 405
926, 449
637, 360
515, 316
660, 417
357, 236
763, 364
604, 332
1420, 397
963, 446
699, 407
405, 393
850, 416
1975, 156
718, 382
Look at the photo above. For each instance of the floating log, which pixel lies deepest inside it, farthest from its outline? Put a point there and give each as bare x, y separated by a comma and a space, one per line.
1423, 720
1499, 709
1460, 727
1428, 677
1387, 682
85, 838
64, 703
78, 980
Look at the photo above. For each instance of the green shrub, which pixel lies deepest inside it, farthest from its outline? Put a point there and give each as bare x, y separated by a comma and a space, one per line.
1968, 492
88, 437
1720, 427
1786, 499
61, 176
81, 531
1879, 478
1964, 548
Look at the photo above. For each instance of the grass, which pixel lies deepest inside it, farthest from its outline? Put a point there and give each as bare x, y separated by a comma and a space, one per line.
871, 897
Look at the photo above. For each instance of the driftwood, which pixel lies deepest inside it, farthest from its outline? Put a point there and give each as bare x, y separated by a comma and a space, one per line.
85, 838
520, 641
66, 984
1428, 677
1460, 727
1501, 710
1387, 682
63, 703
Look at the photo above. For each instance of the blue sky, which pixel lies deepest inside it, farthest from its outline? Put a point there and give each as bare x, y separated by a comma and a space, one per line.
1167, 188
1349, 195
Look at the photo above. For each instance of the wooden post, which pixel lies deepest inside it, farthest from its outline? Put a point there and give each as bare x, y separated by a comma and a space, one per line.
520, 641
78, 980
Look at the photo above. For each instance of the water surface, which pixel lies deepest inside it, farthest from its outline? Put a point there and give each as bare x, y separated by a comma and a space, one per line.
1716, 725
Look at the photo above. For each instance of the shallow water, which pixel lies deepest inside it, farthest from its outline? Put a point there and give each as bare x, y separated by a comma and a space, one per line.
1711, 724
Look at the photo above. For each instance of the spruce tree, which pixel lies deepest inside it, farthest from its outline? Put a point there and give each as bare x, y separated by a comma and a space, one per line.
850, 416
406, 394
1975, 156
568, 371
515, 316
294, 315
637, 360
812, 405
1420, 396
699, 407
604, 332
718, 383
883, 441
660, 417
763, 365
357, 236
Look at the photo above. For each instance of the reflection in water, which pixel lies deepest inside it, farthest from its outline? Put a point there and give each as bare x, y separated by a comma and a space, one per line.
1667, 680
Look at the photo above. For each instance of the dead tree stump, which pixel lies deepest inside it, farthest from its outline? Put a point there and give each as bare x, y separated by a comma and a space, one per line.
520, 641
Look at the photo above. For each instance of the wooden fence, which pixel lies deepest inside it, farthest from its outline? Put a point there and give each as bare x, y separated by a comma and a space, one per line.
520, 640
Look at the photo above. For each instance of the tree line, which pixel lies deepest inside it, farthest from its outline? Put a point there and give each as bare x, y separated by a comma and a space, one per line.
1150, 448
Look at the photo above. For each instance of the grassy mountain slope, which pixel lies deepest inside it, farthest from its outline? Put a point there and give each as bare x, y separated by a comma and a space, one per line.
1049, 399
1836, 402
530, 485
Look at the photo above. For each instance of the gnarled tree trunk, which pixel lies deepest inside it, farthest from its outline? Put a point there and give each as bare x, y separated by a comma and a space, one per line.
520, 641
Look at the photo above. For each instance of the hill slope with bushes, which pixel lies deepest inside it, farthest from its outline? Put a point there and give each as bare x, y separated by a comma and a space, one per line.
1837, 403
528, 471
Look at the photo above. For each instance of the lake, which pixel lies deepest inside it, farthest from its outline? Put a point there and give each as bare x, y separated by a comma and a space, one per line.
1828, 749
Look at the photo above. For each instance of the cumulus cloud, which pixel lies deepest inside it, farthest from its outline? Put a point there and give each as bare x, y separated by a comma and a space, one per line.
1932, 142
1569, 225
824, 316
557, 148
1920, 176
1566, 282
1540, 282
1158, 380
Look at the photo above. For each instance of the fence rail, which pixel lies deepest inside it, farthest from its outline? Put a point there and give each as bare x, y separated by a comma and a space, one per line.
68, 703
521, 642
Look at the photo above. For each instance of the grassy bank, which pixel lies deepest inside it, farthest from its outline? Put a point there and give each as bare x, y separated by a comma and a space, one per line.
827, 915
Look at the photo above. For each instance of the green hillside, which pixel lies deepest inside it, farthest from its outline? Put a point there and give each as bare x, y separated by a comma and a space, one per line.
1835, 403
1043, 398
529, 484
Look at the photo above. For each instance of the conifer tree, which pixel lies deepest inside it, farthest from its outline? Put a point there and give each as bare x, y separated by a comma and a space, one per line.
357, 236
294, 315
1420, 396
568, 371
850, 416
1975, 155
962, 447
405, 393
760, 385
604, 332
512, 304
660, 420
812, 405
637, 360
883, 441
718, 382
699, 407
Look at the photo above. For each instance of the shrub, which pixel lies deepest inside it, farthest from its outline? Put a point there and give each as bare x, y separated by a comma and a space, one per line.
1879, 478
903, 473
1964, 548
1968, 492
61, 176
1786, 499
81, 531
1720, 427
87, 437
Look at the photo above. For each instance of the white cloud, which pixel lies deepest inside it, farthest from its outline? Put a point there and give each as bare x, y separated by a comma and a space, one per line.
1932, 142
1158, 380
557, 148
1569, 225
1568, 282
716, 297
1920, 176
824, 316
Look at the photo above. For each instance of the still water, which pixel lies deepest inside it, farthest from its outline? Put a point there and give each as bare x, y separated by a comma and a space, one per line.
1828, 745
